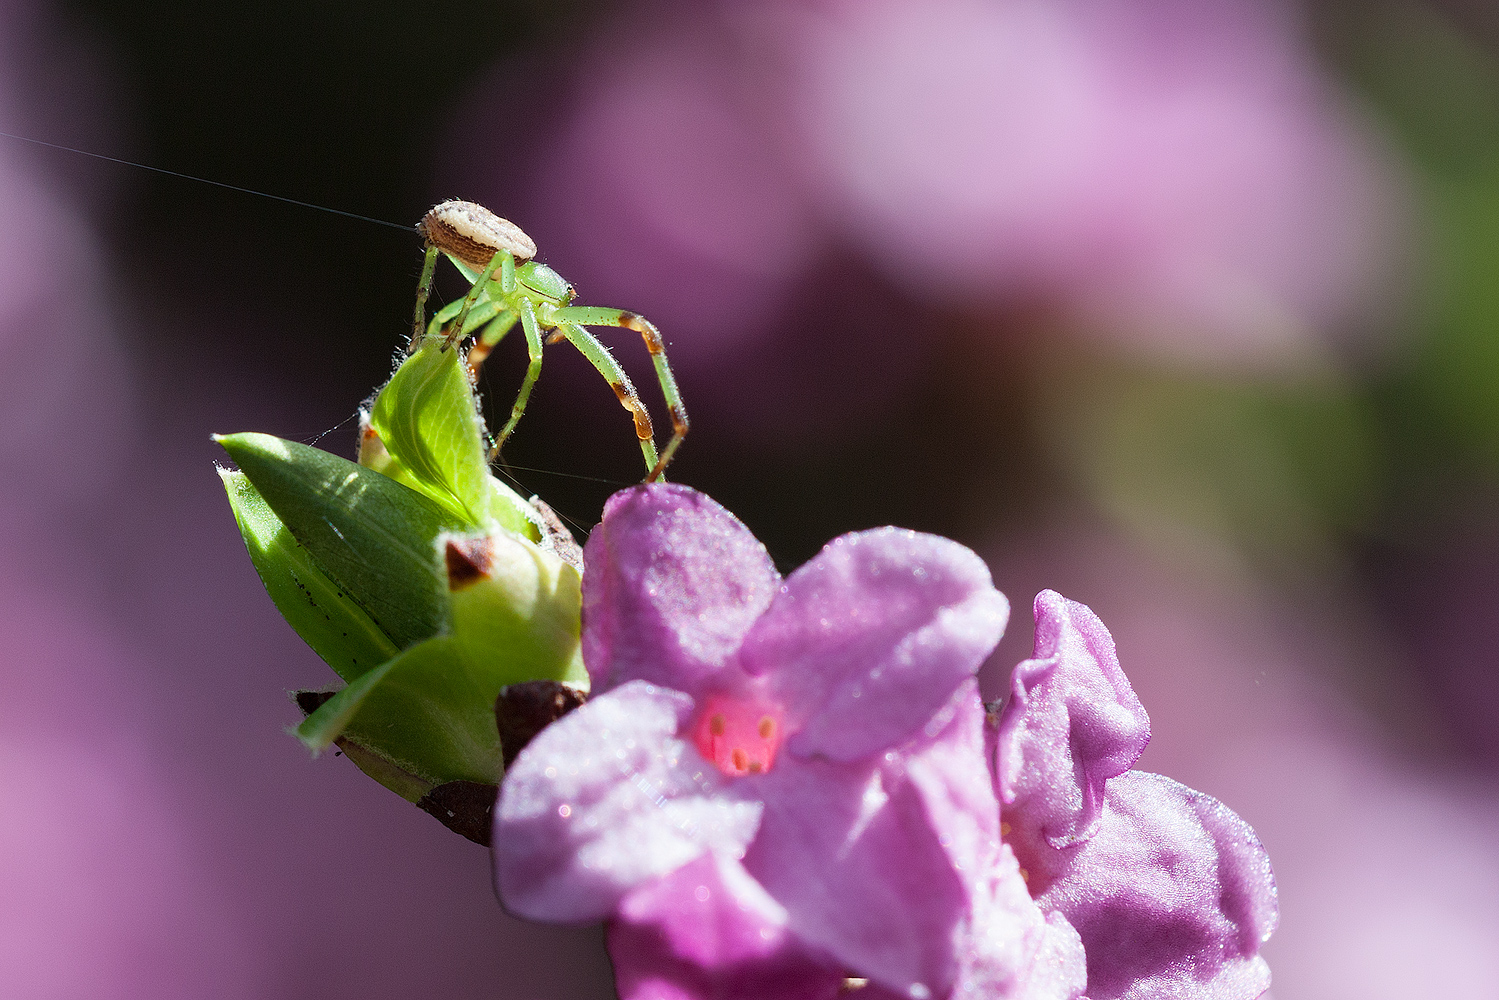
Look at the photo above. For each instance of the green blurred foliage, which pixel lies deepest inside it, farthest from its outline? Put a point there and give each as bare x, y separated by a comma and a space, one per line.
1272, 465
1291, 469
1436, 90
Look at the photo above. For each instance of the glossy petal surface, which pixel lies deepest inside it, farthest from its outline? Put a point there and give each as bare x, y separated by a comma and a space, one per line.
708, 930
1169, 890
825, 731
673, 583
1072, 722
605, 799
1173, 897
847, 849
870, 638
1005, 945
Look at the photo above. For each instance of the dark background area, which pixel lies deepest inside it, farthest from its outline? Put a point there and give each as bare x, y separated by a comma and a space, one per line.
354, 108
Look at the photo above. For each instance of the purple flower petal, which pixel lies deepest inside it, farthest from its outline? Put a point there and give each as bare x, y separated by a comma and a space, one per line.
709, 930
866, 858
1173, 896
605, 799
1071, 723
947, 766
872, 636
1010, 949
673, 583
1006, 947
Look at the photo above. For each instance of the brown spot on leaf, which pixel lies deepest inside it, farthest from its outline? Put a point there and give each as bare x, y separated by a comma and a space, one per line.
468, 561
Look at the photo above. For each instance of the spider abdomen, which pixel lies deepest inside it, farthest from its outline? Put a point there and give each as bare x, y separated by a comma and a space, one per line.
473, 234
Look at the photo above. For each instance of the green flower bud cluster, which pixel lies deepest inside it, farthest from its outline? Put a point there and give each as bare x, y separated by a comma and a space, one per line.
425, 583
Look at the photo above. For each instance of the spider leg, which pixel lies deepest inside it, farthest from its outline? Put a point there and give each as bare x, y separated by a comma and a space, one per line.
456, 334
423, 289
484, 310
507, 273
601, 316
533, 372
598, 355
488, 338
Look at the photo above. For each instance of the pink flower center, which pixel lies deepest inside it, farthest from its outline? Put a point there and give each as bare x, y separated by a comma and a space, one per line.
738, 734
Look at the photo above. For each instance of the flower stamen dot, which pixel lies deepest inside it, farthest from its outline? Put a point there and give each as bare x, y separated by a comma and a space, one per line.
740, 735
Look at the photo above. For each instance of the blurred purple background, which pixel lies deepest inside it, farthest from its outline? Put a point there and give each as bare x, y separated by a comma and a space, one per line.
1189, 310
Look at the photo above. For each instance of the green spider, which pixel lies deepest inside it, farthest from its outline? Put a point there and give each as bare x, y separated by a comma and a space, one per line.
508, 285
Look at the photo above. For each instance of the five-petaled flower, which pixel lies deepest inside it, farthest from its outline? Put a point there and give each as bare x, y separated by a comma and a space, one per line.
762, 790
779, 784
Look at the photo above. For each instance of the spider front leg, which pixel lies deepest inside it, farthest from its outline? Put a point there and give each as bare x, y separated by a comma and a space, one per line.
533, 372
598, 355
601, 316
499, 260
423, 289
485, 310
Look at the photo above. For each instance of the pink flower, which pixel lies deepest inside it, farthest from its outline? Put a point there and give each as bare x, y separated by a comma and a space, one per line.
778, 782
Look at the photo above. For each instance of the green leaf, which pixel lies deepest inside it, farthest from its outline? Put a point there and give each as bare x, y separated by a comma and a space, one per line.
407, 786
368, 533
428, 711
428, 420
374, 455
330, 622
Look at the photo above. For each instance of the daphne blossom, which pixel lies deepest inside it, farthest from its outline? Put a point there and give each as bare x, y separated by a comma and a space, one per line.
778, 783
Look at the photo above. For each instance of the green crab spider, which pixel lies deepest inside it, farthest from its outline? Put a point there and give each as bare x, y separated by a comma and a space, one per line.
508, 286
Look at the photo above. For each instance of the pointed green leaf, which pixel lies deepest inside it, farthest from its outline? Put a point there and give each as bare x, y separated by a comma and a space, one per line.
407, 786
371, 535
426, 417
330, 622
428, 420
428, 711
374, 455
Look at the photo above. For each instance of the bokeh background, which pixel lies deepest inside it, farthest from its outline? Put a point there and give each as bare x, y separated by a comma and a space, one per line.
1186, 308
